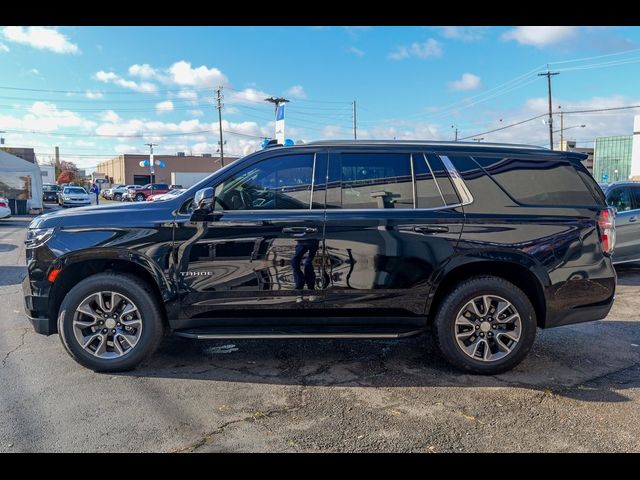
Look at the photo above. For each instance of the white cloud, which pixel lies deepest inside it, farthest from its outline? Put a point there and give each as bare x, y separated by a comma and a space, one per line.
182, 73
42, 38
356, 51
93, 94
467, 82
163, 107
4, 48
188, 94
297, 91
34, 71
110, 77
144, 71
248, 95
466, 34
84, 143
540, 36
429, 49
110, 116
45, 116
195, 112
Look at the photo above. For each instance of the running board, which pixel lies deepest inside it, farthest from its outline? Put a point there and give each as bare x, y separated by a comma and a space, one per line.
310, 331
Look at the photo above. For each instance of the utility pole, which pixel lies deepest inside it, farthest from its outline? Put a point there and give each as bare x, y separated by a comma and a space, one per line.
152, 169
219, 107
355, 130
455, 139
549, 74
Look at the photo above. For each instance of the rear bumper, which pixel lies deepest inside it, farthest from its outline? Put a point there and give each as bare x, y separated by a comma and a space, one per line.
581, 294
37, 309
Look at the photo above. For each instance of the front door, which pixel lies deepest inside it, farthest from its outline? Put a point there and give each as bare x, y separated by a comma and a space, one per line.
627, 223
389, 226
259, 249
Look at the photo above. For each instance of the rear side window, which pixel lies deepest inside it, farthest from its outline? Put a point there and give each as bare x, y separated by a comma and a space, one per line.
371, 180
538, 181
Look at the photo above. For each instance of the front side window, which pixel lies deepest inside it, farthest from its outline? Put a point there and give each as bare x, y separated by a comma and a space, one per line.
620, 198
277, 183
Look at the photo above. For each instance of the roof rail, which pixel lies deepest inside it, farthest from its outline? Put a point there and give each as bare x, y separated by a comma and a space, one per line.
427, 143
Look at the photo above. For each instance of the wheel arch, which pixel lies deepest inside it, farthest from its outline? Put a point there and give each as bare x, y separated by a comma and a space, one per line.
79, 265
520, 271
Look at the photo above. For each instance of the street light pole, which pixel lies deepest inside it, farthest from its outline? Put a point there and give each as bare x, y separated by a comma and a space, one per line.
152, 169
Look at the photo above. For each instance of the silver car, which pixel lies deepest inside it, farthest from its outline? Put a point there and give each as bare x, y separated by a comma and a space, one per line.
625, 198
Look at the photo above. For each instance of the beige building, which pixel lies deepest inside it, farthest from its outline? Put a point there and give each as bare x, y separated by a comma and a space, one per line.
570, 146
126, 168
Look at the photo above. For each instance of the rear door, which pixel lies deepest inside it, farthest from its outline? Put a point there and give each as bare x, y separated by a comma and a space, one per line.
387, 229
625, 199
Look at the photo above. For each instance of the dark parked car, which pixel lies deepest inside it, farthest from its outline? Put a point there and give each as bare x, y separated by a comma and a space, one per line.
625, 198
483, 242
50, 192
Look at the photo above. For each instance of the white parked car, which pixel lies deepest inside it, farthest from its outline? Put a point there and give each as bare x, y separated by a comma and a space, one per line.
73, 197
110, 192
5, 211
124, 194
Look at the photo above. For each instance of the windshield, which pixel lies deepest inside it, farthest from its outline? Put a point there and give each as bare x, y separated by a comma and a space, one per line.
74, 190
50, 188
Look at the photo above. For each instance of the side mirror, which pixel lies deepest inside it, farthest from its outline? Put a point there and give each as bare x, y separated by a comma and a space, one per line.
203, 200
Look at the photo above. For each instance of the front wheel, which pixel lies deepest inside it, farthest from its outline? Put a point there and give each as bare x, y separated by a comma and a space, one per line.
139, 197
110, 322
485, 325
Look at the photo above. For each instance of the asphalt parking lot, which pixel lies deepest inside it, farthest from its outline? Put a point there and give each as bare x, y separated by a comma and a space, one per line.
578, 390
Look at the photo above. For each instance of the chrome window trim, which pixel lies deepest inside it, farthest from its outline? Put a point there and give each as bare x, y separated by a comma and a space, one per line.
413, 181
463, 192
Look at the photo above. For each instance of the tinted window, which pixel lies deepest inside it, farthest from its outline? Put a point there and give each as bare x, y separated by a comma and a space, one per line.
370, 180
621, 199
50, 188
76, 190
538, 181
427, 193
319, 181
280, 183
444, 182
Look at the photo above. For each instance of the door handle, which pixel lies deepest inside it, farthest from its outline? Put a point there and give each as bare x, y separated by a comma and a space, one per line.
299, 231
431, 229
633, 219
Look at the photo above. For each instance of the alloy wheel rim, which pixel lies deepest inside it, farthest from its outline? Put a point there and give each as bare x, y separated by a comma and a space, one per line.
488, 328
107, 325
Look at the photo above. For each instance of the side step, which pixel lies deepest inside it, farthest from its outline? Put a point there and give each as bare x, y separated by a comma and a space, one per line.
301, 331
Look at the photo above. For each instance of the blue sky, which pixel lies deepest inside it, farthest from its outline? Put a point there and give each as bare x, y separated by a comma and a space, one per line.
99, 91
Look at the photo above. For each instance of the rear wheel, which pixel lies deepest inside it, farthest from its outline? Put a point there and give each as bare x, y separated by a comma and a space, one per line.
110, 322
485, 325
117, 197
139, 197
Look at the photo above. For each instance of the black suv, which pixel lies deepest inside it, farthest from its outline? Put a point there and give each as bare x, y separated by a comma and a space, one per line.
352, 239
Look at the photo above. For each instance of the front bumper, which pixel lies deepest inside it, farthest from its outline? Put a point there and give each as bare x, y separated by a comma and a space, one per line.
37, 309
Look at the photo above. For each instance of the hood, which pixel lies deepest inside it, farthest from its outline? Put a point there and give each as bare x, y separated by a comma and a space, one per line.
111, 215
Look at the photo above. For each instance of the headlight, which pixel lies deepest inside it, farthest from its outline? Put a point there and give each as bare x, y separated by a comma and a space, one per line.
38, 236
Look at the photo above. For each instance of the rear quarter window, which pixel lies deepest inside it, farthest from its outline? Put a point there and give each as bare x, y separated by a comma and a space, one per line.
548, 182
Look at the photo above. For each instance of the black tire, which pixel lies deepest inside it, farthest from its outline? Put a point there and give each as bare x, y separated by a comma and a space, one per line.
117, 197
140, 293
139, 197
445, 330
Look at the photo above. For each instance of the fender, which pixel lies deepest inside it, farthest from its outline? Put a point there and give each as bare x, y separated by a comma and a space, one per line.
166, 286
502, 256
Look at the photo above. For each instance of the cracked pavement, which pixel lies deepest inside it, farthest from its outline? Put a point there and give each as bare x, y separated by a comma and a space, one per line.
577, 391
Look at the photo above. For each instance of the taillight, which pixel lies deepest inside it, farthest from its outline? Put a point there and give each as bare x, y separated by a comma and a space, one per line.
3, 204
607, 229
